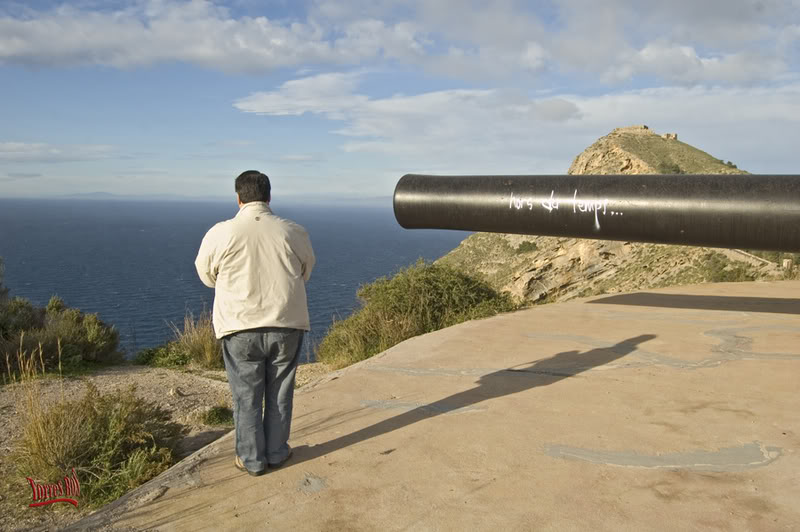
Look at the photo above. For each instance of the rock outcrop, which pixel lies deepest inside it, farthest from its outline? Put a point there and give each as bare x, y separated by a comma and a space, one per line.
545, 269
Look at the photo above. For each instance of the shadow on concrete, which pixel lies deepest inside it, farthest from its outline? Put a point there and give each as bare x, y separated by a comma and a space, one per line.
731, 303
498, 384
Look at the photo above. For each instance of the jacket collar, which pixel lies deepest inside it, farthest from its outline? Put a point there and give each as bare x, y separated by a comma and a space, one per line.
254, 207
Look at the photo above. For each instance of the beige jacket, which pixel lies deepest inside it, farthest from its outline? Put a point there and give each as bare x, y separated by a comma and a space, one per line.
258, 264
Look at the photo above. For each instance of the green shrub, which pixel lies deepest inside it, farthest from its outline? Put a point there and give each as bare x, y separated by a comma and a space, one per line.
163, 356
218, 416
716, 268
195, 344
146, 357
417, 300
527, 247
670, 168
78, 337
55, 305
18, 315
3, 289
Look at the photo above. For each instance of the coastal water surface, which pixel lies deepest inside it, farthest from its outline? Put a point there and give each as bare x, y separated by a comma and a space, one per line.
132, 262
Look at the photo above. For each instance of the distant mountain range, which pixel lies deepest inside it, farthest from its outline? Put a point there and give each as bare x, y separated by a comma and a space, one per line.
107, 196
289, 199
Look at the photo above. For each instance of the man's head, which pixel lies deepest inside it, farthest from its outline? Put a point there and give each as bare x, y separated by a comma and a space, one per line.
252, 185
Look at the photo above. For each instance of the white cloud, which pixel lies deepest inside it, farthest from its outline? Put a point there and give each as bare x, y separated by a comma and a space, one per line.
534, 56
698, 107
194, 31
331, 94
590, 37
456, 124
682, 41
498, 131
684, 64
38, 152
371, 38
299, 158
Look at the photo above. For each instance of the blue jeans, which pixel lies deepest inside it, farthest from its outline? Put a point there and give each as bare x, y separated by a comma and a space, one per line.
261, 365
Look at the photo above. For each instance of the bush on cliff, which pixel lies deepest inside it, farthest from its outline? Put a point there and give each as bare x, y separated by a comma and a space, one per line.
3, 289
78, 337
417, 300
196, 344
717, 268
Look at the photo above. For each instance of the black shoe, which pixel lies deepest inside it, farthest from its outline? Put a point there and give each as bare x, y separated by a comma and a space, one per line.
279, 464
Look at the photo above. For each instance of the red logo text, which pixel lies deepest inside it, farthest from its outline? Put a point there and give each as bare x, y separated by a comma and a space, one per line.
64, 491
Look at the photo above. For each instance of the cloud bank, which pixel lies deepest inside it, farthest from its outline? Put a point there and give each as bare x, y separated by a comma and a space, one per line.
683, 42
463, 129
40, 152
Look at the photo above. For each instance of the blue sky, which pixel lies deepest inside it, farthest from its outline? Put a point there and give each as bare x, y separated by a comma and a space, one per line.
341, 98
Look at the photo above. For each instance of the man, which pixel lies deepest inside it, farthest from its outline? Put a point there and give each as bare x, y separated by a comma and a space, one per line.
258, 264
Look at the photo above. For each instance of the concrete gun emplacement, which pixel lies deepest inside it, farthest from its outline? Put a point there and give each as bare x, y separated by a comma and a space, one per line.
744, 211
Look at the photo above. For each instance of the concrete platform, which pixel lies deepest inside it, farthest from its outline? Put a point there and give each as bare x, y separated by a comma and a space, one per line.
671, 410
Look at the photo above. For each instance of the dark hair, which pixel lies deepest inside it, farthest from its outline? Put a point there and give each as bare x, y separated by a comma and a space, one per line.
252, 185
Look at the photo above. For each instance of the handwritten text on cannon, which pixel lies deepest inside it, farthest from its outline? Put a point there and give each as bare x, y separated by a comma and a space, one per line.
597, 207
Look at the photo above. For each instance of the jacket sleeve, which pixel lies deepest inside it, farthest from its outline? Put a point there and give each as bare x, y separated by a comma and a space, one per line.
305, 253
206, 262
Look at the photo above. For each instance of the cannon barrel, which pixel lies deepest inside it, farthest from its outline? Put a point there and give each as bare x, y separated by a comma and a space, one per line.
730, 211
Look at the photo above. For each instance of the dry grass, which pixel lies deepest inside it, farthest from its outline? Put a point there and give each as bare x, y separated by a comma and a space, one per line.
194, 345
114, 441
199, 341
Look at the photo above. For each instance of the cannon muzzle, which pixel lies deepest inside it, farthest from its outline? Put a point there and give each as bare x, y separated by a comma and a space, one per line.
731, 211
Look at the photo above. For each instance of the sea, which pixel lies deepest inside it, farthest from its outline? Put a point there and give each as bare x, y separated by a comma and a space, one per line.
132, 262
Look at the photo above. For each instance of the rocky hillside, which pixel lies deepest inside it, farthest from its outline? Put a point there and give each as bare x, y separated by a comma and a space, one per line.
639, 150
546, 269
